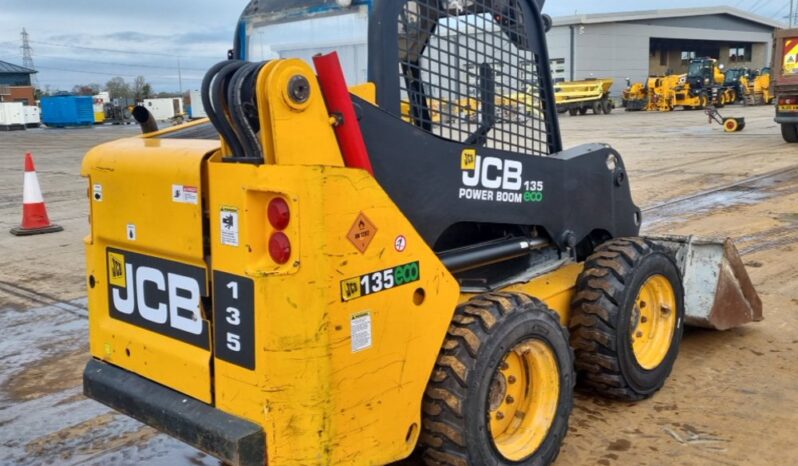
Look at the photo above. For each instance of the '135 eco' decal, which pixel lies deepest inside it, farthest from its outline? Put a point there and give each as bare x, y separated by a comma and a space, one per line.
382, 280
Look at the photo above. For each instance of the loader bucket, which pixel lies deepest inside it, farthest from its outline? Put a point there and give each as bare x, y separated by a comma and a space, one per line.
718, 293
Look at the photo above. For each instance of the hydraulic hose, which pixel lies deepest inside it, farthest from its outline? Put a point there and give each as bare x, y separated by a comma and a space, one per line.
237, 103
219, 122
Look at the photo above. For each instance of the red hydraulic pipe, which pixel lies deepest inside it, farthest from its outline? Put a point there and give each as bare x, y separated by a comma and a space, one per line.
339, 103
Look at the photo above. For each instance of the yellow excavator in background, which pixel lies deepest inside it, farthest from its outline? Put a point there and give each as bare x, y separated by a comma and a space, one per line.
320, 274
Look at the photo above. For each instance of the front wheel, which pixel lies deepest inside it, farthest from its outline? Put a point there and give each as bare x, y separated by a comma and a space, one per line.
627, 319
501, 393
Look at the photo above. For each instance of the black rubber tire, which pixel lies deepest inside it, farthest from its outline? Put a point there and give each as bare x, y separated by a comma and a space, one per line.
606, 106
583, 111
601, 312
597, 107
455, 428
573, 111
789, 132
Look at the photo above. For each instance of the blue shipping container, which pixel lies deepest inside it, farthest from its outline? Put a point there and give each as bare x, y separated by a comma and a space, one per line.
68, 110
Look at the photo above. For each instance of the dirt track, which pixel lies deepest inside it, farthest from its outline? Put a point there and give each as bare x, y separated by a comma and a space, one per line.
732, 396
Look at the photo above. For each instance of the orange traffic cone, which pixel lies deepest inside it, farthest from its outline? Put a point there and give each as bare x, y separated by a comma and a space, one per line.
34, 212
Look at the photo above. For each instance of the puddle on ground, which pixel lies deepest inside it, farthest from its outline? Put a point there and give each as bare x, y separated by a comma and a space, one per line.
748, 193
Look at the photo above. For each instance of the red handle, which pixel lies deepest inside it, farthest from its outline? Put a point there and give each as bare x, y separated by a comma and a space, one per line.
339, 103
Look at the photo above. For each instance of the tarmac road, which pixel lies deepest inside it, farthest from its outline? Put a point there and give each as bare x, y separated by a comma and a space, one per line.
731, 399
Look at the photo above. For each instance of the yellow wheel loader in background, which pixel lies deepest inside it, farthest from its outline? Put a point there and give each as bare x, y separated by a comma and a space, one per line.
307, 278
702, 86
757, 88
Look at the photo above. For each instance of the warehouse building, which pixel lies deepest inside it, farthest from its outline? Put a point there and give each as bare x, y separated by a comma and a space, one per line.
639, 44
15, 84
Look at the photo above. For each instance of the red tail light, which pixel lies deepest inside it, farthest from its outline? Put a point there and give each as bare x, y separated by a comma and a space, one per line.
279, 213
788, 101
280, 247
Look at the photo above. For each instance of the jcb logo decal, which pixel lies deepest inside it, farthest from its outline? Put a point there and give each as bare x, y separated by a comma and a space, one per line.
158, 295
493, 173
469, 161
116, 269
350, 289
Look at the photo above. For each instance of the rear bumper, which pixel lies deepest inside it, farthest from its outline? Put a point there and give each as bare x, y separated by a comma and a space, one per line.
229, 438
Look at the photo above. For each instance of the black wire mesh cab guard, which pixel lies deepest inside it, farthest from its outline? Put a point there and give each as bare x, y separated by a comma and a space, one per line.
470, 71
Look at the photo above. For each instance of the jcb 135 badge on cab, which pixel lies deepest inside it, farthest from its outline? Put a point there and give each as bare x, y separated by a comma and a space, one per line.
159, 295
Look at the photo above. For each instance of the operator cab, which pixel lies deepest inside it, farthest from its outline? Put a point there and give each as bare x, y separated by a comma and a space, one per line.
490, 89
464, 107
701, 73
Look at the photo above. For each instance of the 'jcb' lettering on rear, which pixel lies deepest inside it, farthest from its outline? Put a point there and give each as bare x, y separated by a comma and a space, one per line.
158, 295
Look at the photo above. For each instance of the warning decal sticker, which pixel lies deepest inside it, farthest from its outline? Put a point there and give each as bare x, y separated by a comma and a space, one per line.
185, 194
228, 224
362, 233
361, 331
790, 65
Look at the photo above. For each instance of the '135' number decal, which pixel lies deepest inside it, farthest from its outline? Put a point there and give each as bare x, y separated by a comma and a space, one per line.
234, 319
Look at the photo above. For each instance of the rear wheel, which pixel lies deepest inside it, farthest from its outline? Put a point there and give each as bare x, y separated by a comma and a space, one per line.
790, 132
502, 389
583, 111
573, 111
597, 107
606, 106
627, 319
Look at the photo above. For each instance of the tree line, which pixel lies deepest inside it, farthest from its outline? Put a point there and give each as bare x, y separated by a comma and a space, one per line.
137, 90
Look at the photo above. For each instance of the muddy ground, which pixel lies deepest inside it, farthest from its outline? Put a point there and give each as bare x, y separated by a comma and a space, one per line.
732, 397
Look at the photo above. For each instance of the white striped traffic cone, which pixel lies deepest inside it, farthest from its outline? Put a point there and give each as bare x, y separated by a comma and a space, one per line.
34, 212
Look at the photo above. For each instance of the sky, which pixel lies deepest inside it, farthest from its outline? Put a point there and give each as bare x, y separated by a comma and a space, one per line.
91, 41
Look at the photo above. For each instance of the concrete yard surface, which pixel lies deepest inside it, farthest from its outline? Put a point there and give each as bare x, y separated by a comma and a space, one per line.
731, 399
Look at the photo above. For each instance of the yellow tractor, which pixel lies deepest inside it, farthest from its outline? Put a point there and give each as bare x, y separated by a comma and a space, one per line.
757, 88
307, 278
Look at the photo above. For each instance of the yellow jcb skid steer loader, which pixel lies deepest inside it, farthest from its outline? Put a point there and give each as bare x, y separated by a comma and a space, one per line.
307, 278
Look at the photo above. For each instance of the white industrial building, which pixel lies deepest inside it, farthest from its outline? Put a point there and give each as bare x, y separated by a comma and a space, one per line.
639, 44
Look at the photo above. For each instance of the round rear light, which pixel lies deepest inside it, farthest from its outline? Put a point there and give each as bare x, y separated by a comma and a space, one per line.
279, 213
280, 248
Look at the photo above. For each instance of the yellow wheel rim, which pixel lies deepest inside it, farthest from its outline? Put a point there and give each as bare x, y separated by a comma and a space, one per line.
730, 126
523, 399
653, 322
